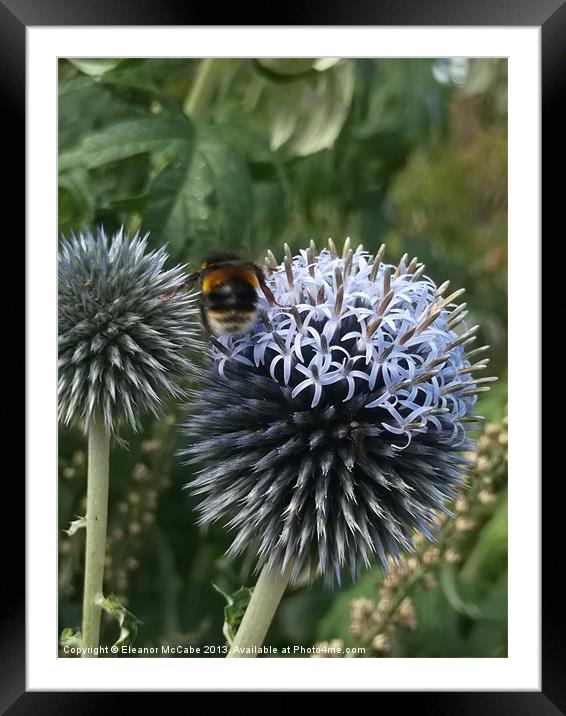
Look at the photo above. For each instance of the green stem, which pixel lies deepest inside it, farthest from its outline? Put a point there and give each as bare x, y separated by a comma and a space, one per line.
96, 520
262, 607
203, 88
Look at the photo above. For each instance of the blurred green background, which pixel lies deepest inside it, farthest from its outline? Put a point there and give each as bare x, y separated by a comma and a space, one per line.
243, 155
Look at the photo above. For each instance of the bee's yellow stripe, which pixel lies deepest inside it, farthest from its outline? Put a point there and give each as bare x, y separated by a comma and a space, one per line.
224, 274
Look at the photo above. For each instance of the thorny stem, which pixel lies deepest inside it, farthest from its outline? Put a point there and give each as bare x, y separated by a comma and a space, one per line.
96, 521
262, 607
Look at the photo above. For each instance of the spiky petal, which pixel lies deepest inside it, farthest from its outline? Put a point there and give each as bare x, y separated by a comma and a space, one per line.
334, 428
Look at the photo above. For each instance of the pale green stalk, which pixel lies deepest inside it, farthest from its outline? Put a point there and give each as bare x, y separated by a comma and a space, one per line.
260, 612
96, 521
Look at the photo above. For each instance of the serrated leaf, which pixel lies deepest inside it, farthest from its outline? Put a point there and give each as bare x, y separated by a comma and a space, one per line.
307, 117
94, 67
75, 526
236, 605
128, 138
203, 195
128, 622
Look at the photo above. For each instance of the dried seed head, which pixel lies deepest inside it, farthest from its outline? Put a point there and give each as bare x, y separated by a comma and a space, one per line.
462, 505
486, 497
452, 557
381, 643
465, 524
431, 557
406, 614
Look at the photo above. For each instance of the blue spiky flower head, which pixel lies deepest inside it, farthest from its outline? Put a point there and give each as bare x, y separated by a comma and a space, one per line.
334, 428
123, 328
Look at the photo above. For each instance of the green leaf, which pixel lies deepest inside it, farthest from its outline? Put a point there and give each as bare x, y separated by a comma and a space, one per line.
238, 132
203, 196
94, 67
326, 63
75, 526
131, 204
307, 117
488, 636
493, 605
70, 637
488, 559
80, 192
404, 102
236, 605
128, 138
438, 632
290, 69
128, 622
286, 66
269, 215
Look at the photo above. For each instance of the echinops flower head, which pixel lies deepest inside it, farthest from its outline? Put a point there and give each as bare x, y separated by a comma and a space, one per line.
334, 428
124, 329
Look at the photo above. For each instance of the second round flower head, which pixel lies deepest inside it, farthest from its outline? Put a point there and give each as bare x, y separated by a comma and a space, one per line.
334, 428
121, 342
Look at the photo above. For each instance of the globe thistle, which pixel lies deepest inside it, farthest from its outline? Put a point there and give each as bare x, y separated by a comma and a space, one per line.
333, 429
122, 332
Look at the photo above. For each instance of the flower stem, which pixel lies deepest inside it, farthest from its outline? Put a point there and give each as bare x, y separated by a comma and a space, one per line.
96, 520
262, 607
204, 85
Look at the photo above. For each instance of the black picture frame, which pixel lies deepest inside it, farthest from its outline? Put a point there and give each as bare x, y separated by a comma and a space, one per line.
550, 16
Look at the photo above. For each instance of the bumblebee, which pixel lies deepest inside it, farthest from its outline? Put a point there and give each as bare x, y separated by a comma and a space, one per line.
229, 293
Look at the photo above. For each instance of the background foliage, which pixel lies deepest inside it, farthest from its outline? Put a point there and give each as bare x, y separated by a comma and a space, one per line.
242, 155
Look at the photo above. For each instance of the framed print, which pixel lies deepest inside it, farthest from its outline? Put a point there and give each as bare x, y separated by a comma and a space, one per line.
274, 426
